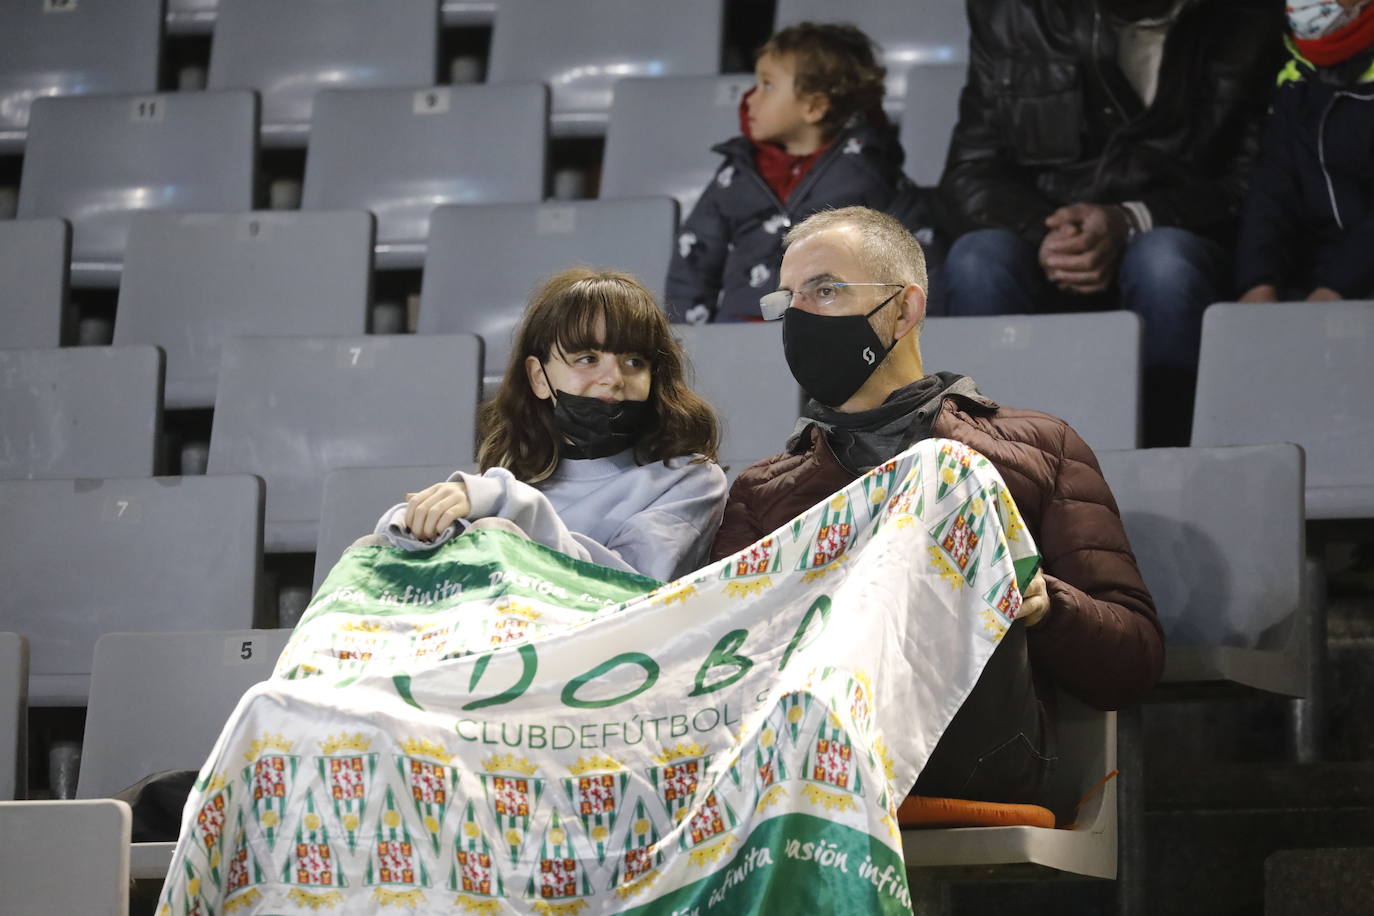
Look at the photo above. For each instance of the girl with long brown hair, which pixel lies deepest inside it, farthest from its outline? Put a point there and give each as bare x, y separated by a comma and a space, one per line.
594, 445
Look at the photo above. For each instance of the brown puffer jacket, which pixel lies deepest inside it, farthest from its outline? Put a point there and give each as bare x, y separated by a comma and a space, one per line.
1100, 639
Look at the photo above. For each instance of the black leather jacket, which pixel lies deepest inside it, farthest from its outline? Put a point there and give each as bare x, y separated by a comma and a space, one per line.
1047, 117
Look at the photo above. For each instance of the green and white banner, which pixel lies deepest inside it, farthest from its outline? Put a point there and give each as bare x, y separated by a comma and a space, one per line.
493, 727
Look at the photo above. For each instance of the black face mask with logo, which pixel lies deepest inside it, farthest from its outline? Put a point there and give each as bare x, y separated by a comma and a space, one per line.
831, 356
594, 428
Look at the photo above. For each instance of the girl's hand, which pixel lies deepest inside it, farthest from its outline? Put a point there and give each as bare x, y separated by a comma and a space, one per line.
434, 508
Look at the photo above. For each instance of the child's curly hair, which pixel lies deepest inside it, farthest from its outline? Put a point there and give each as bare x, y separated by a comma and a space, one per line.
837, 60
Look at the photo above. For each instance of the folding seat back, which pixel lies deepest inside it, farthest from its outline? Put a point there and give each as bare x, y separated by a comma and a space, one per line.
14, 692
1084, 368
928, 118
466, 144
33, 281
64, 47
1295, 372
65, 856
355, 498
485, 261
927, 32
290, 409
661, 132
94, 160
581, 49
80, 412
123, 554
289, 51
137, 725
191, 280
468, 12
741, 371
1219, 537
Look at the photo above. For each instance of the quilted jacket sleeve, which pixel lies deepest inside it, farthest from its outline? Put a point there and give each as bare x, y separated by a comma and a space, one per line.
1100, 640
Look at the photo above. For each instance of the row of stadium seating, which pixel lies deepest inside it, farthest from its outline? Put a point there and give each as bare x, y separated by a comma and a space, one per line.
97, 160
287, 51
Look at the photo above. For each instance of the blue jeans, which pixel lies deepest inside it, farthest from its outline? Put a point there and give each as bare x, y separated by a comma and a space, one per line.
1167, 276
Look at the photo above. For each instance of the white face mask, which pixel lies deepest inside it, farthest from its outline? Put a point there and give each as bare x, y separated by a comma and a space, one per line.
1314, 18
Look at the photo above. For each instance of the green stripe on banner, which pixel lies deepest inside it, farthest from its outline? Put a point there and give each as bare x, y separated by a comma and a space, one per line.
793, 864
386, 581
1026, 568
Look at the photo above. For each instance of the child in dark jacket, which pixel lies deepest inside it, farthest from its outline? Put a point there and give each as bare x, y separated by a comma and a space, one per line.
1307, 229
813, 137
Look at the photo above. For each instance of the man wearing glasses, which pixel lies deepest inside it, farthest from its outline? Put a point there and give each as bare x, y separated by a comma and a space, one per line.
852, 295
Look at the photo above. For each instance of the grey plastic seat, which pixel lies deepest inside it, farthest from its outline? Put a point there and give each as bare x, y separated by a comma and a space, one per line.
927, 32
290, 409
580, 50
137, 726
289, 51
80, 412
65, 856
64, 47
94, 160
741, 371
1087, 754
445, 145
679, 119
484, 261
14, 704
1084, 368
121, 554
1253, 353
1219, 536
193, 279
33, 281
354, 498
928, 118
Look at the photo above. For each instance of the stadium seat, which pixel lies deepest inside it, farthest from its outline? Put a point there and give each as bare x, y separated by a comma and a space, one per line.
64, 47
1219, 536
65, 857
470, 145
1295, 372
80, 412
355, 498
1087, 763
124, 554
580, 49
14, 704
138, 725
928, 119
484, 261
33, 281
926, 32
661, 132
741, 371
1082, 367
290, 409
193, 279
289, 51
94, 160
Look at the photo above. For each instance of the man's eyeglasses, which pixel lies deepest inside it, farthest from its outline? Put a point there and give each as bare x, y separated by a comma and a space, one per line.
822, 293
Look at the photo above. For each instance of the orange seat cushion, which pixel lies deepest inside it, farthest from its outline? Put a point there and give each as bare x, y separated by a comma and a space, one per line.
921, 811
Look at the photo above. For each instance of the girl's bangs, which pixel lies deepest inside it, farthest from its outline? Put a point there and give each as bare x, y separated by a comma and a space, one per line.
633, 323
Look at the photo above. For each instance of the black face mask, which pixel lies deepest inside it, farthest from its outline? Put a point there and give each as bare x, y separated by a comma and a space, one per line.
596, 428
1135, 10
831, 356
